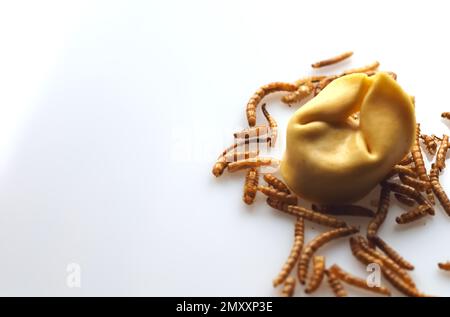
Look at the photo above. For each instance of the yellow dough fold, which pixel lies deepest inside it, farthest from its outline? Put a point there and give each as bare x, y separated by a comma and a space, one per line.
333, 158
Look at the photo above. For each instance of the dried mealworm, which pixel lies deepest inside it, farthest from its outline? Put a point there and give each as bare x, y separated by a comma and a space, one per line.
405, 200
442, 153
335, 285
445, 115
413, 215
278, 195
252, 162
256, 131
310, 215
400, 284
332, 60
272, 124
390, 252
370, 67
261, 93
418, 184
380, 216
444, 266
438, 190
410, 192
219, 166
276, 183
346, 210
250, 186
356, 281
312, 79
301, 93
406, 160
318, 273
289, 287
402, 169
315, 244
419, 164
238, 156
299, 237
430, 143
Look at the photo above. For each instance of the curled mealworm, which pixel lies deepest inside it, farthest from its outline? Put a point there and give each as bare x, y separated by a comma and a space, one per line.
335, 285
445, 115
415, 183
332, 60
299, 236
444, 266
438, 190
405, 200
310, 215
315, 244
222, 161
372, 66
345, 210
272, 124
356, 281
318, 273
238, 156
256, 131
413, 215
430, 143
289, 287
380, 216
252, 162
410, 192
301, 93
261, 93
442, 153
250, 186
390, 252
276, 183
278, 195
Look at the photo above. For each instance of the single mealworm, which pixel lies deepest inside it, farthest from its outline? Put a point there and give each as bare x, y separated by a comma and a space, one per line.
438, 190
356, 281
410, 192
261, 93
413, 215
250, 186
405, 200
276, 183
222, 162
310, 215
444, 266
311, 79
272, 124
301, 93
400, 284
402, 169
315, 244
390, 252
332, 60
442, 153
299, 237
345, 210
430, 143
238, 156
256, 131
445, 115
289, 287
415, 183
252, 162
373, 66
380, 216
278, 195
318, 273
419, 164
335, 284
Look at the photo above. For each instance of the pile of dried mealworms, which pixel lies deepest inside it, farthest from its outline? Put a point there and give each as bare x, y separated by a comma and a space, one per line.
409, 182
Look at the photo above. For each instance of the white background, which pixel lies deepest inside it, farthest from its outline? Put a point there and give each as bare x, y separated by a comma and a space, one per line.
112, 113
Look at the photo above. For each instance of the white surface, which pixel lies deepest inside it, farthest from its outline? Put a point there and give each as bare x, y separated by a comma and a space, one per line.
112, 113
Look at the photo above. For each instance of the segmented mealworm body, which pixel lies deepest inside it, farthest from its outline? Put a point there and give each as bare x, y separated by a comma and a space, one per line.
335, 285
299, 237
345, 210
444, 266
410, 192
289, 287
390, 252
252, 162
276, 183
315, 244
445, 115
413, 215
438, 190
400, 284
238, 156
370, 67
405, 200
430, 143
332, 60
301, 93
278, 195
250, 186
306, 213
312, 79
220, 165
415, 183
406, 160
442, 153
256, 131
402, 169
223, 159
380, 216
419, 163
356, 281
318, 274
261, 93
272, 124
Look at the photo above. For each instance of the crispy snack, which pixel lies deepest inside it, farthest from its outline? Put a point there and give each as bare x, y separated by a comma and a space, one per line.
344, 210
430, 143
442, 153
415, 214
252, 162
380, 216
272, 124
306, 213
318, 273
445, 115
251, 185
406, 160
256, 131
299, 238
410, 192
419, 163
332, 60
289, 287
444, 266
335, 284
261, 93
356, 281
371, 67
276, 183
278, 195
390, 252
438, 190
405, 200
315, 244
237, 156
415, 183
303, 91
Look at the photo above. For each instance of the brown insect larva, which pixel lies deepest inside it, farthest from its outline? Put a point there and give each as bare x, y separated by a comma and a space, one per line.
310, 215
419, 163
444, 266
312, 79
399, 283
272, 124
445, 115
332, 60
335, 285
256, 131
278, 195
367, 68
438, 190
430, 143
222, 161
410, 192
220, 165
356, 281
402, 169
413, 215
289, 287
250, 186
418, 184
442, 153
406, 160
390, 252
261, 93
318, 272
380, 216
299, 237
252, 162
315, 244
303, 91
345, 210
238, 156
276, 183
405, 200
